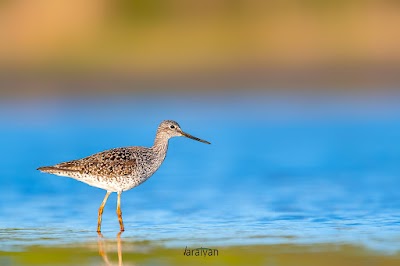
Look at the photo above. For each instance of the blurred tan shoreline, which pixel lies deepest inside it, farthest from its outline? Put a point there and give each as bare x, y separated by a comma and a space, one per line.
252, 79
103, 46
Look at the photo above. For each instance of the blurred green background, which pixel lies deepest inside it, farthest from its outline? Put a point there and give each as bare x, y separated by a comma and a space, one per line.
177, 44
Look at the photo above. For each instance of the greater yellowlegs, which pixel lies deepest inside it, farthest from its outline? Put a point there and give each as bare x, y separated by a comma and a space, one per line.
120, 169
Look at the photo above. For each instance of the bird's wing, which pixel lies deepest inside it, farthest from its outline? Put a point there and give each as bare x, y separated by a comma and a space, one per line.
110, 163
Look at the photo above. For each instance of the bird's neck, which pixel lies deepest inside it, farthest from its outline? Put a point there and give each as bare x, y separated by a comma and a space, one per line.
160, 145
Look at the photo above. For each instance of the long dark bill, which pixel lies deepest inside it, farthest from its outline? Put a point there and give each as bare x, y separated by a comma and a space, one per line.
193, 137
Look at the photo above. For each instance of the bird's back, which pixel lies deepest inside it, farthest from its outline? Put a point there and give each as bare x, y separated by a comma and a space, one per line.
117, 169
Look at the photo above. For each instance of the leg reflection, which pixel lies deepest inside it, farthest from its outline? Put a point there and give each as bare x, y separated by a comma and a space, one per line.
103, 252
119, 247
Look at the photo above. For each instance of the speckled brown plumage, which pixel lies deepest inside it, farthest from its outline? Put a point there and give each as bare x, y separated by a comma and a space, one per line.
121, 169
110, 164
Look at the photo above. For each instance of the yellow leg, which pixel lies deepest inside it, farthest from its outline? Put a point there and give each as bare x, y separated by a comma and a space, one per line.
101, 211
119, 213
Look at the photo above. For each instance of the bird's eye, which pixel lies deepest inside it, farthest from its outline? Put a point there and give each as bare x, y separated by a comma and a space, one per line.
172, 126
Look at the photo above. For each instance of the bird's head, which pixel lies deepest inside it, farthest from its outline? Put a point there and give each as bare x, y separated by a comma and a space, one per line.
170, 128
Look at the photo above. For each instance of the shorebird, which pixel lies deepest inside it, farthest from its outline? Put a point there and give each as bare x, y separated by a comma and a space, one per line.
120, 169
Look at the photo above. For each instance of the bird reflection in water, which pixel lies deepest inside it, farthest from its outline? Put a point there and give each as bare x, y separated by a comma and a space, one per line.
103, 252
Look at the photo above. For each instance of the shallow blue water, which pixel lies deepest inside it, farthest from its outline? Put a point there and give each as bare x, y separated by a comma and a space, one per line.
281, 169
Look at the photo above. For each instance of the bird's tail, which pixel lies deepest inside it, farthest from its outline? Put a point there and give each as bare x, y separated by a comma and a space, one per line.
54, 170
48, 169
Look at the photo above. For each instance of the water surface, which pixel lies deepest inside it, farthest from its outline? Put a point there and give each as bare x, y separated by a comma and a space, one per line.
283, 174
